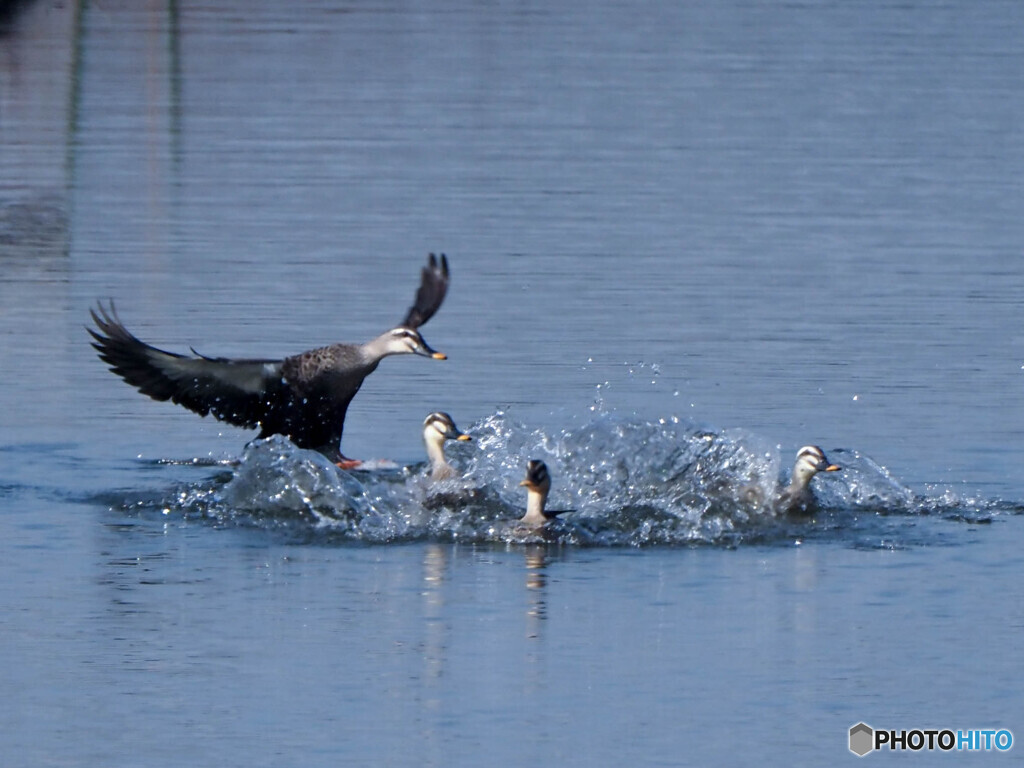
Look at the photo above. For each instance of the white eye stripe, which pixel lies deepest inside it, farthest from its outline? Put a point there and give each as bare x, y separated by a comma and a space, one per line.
440, 422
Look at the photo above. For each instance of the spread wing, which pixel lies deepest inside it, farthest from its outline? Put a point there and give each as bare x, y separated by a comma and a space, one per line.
430, 296
240, 392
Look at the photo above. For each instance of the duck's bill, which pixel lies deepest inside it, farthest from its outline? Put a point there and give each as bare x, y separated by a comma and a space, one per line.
427, 351
463, 437
832, 468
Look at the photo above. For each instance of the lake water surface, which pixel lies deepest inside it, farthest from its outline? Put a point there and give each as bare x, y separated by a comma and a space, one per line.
686, 239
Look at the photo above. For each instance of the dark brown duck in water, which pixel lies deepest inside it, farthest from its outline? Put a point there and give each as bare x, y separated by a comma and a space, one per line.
304, 397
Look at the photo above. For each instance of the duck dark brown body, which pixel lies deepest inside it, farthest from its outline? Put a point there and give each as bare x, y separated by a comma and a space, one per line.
304, 397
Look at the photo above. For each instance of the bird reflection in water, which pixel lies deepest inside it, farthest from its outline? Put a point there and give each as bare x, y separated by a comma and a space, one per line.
435, 568
536, 588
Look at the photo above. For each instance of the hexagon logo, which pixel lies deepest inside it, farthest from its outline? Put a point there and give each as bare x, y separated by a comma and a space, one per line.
862, 739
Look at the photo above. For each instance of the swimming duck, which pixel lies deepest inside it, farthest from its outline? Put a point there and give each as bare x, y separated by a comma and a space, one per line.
437, 428
798, 498
304, 397
538, 485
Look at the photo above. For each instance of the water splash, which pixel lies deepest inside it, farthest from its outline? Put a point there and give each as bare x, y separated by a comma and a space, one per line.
626, 482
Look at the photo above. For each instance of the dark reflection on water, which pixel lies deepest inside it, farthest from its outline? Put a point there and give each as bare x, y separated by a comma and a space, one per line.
536, 560
767, 224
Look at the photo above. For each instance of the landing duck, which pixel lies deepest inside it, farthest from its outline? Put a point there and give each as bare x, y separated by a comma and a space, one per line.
304, 397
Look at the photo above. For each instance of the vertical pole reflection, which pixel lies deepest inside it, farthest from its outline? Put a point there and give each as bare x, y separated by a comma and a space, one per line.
74, 111
174, 55
36, 64
159, 145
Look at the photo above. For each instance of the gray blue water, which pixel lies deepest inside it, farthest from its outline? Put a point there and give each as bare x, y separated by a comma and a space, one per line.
686, 239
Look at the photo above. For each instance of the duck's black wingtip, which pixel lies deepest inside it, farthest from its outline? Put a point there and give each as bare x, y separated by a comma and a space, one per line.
430, 295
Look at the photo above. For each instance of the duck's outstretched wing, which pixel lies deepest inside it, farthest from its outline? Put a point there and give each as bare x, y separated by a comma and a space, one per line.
246, 393
430, 296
